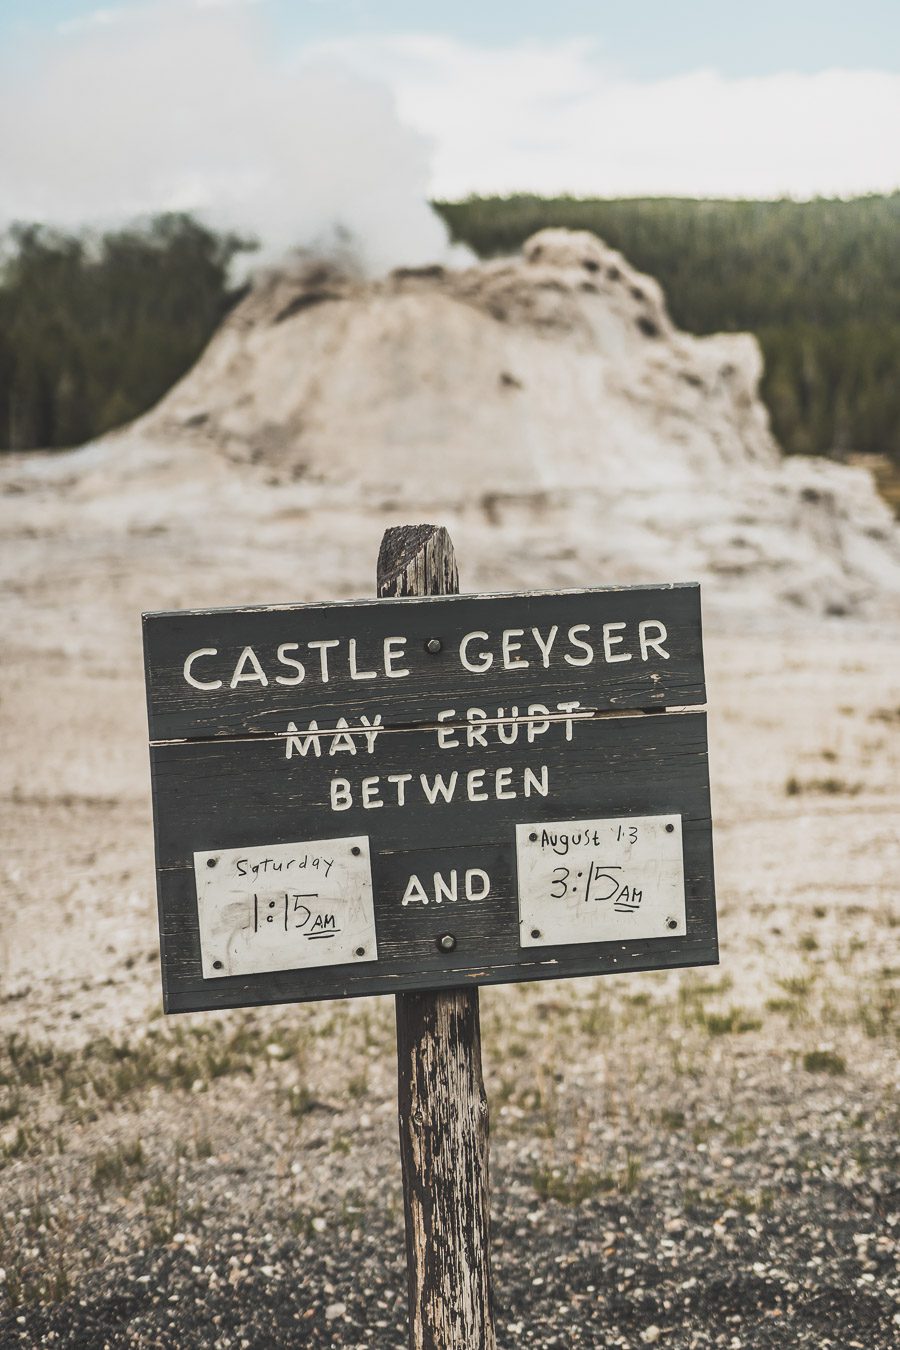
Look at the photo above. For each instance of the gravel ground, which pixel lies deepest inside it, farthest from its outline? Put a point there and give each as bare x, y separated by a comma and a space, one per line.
677, 1186
684, 1159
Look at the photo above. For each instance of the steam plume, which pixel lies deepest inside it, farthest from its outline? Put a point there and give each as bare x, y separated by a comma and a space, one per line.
182, 106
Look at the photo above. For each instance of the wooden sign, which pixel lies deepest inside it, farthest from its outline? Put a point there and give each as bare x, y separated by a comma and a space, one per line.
427, 793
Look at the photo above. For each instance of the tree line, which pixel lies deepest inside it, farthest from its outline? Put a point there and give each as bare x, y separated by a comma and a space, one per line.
94, 328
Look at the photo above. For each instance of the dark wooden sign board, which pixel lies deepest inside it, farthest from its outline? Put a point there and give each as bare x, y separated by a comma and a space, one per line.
418, 735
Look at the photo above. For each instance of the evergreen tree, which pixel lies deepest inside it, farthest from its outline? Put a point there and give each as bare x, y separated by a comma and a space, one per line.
93, 330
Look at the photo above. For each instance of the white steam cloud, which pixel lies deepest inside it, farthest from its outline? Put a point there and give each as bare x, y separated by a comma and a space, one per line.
184, 106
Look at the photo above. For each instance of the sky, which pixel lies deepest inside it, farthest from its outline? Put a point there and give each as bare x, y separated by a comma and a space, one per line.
649, 40
287, 116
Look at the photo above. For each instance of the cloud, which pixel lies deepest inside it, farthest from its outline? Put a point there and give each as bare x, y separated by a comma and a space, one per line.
555, 118
178, 106
191, 105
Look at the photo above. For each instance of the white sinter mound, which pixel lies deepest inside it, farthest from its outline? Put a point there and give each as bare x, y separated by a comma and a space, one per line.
544, 405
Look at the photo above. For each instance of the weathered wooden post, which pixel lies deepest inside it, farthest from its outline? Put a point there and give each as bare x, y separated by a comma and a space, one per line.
442, 1104
417, 799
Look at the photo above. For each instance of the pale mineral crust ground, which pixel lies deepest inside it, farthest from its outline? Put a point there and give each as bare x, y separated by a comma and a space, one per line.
701, 1158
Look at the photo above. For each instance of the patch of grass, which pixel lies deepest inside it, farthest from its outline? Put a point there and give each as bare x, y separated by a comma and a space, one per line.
783, 1005
503, 1091
118, 1168
750, 1202
24, 1063
31, 1254
162, 1208
693, 989
106, 1071
824, 1061
358, 1086
165, 1212
671, 1120
26, 1286
352, 1210
808, 943
735, 1020
551, 1183
300, 1101
743, 1132
597, 1021
878, 1014
10, 1107
831, 787
631, 1174
18, 1146
796, 986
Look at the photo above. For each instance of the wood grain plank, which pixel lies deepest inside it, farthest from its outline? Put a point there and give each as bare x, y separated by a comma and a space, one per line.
217, 795
437, 679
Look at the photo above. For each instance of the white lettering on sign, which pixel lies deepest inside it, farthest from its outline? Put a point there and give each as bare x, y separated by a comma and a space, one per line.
476, 885
285, 907
326, 659
189, 665
331, 741
286, 660
504, 724
436, 789
605, 880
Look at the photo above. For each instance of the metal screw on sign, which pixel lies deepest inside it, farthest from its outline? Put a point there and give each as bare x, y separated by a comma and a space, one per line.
447, 942
433, 645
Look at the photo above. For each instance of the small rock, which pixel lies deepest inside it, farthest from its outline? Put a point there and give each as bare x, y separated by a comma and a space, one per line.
335, 1310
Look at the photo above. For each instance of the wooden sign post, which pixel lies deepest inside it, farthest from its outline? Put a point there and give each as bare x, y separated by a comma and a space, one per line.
418, 795
442, 1103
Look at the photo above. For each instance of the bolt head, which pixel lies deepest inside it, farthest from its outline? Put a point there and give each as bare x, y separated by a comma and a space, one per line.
671, 923
533, 837
211, 862
447, 942
433, 645
535, 932
360, 951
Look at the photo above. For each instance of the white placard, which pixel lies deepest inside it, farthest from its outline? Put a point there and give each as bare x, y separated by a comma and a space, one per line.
600, 880
285, 906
